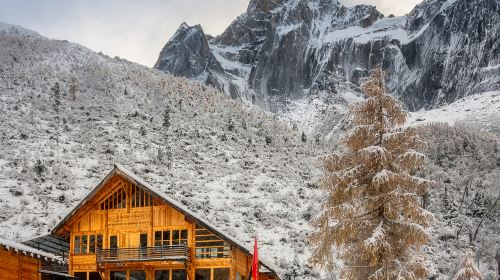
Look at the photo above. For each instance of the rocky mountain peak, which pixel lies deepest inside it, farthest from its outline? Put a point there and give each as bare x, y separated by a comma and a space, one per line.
264, 6
283, 51
188, 54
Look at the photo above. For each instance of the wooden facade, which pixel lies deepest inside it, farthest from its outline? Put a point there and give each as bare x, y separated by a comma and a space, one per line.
18, 261
127, 230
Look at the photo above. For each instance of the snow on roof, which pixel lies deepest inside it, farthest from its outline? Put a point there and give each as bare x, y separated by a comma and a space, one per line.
175, 204
27, 250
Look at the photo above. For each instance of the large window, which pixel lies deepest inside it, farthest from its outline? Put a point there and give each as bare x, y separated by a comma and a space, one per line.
118, 275
87, 244
141, 197
221, 274
202, 274
206, 274
171, 237
117, 200
209, 245
94, 276
137, 275
176, 274
81, 275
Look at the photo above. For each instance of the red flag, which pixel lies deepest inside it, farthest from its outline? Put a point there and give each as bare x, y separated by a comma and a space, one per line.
255, 261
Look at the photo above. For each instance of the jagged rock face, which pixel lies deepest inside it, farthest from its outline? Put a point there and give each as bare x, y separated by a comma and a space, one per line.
456, 54
187, 54
291, 50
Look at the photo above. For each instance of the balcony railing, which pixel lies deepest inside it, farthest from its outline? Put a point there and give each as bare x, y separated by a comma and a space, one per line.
157, 253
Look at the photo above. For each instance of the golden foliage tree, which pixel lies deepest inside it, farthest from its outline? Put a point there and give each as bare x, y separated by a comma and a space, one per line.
372, 213
468, 270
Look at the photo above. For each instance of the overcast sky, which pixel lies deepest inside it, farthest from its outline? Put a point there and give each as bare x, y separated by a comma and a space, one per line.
133, 29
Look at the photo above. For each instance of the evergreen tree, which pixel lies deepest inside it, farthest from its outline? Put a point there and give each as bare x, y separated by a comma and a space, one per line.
166, 118
373, 212
468, 269
57, 97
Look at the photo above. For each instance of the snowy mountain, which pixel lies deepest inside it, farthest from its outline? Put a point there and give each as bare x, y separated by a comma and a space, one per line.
67, 114
292, 52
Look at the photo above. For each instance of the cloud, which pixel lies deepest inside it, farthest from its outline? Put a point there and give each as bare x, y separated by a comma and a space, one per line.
133, 29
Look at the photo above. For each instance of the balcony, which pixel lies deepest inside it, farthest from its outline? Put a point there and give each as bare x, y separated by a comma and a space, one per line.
157, 253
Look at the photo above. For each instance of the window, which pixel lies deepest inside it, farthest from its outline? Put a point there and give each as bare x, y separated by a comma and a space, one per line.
84, 244
94, 276
239, 276
87, 244
137, 275
81, 275
171, 237
202, 274
177, 274
118, 275
92, 244
117, 200
76, 245
141, 197
209, 245
221, 273
162, 275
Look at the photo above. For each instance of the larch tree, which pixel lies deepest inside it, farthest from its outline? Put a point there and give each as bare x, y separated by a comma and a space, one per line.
468, 269
372, 213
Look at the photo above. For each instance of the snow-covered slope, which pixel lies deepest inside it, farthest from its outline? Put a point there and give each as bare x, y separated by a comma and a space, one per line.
482, 110
67, 114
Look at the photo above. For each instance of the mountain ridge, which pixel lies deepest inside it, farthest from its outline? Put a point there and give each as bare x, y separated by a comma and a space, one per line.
279, 53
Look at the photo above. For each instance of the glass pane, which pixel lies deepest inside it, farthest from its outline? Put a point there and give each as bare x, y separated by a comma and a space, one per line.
77, 245
202, 274
157, 235
92, 244
81, 275
221, 273
179, 275
94, 276
137, 275
118, 275
84, 244
113, 242
162, 275
184, 234
166, 235
99, 241
175, 234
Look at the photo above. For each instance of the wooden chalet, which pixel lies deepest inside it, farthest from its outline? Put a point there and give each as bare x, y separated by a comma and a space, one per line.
18, 261
126, 229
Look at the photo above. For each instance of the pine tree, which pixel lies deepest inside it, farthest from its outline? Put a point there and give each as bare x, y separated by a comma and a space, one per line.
373, 212
166, 118
468, 269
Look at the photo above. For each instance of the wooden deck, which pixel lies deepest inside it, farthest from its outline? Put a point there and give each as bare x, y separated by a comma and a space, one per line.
157, 253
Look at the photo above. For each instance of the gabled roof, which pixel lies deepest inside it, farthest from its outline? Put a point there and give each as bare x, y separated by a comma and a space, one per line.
122, 171
27, 250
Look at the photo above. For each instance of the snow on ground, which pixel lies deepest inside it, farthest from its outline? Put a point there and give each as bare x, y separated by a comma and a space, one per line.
483, 109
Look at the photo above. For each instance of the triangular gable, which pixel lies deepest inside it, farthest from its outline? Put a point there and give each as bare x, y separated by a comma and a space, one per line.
129, 176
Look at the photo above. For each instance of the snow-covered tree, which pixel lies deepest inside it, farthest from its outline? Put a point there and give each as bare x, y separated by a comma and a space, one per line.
468, 269
372, 213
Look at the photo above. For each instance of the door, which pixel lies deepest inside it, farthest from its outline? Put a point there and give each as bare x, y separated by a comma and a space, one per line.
143, 244
113, 246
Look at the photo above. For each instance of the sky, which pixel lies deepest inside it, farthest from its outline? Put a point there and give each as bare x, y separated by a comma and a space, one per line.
137, 30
